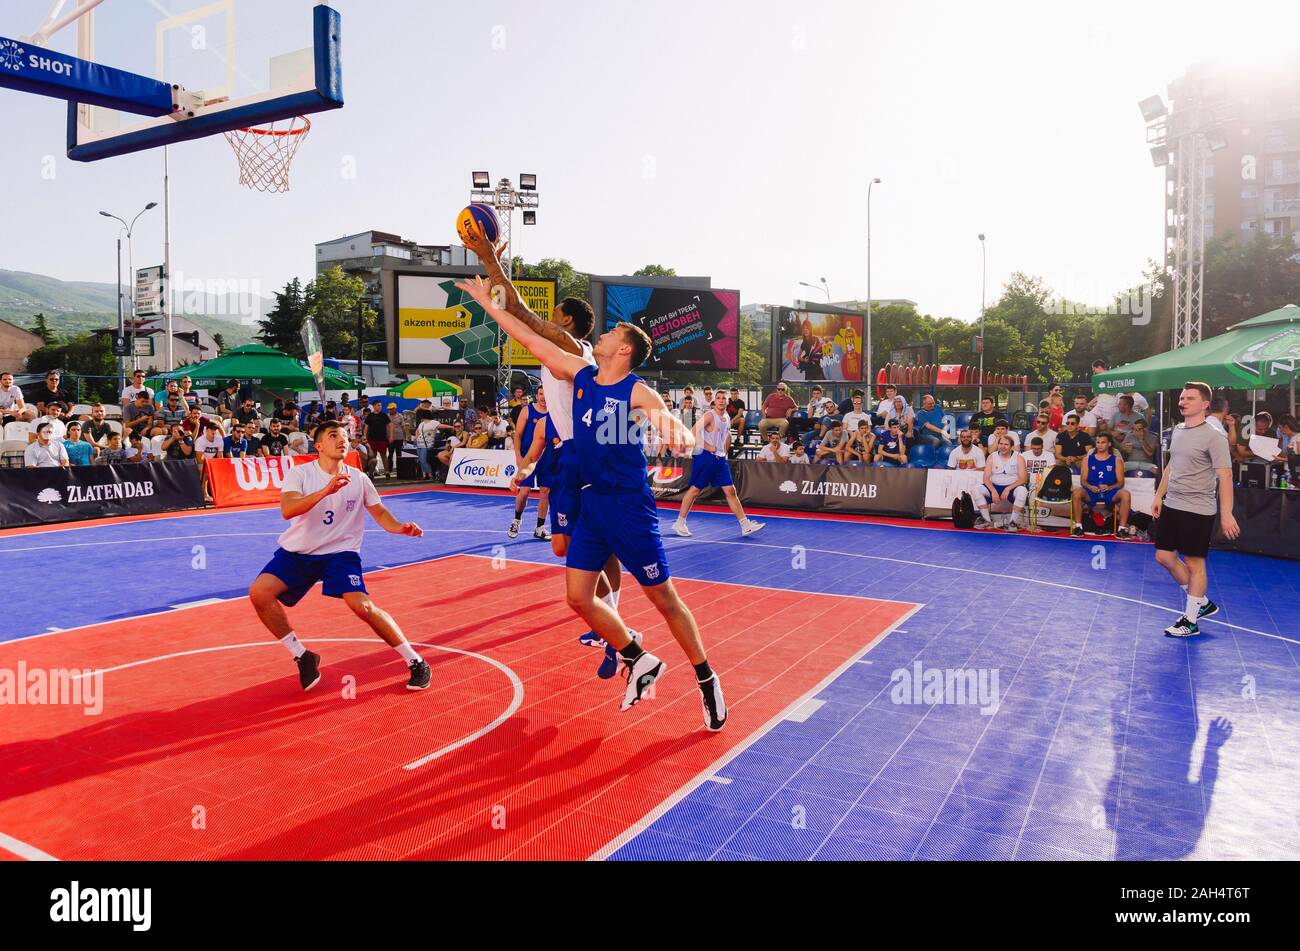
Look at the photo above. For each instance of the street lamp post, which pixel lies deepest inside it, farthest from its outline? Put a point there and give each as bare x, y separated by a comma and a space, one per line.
983, 278
826, 290
130, 257
874, 181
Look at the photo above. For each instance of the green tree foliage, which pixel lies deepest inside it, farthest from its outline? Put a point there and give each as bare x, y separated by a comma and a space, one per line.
220, 342
569, 283
331, 300
655, 270
42, 330
1245, 277
280, 327
755, 353
84, 356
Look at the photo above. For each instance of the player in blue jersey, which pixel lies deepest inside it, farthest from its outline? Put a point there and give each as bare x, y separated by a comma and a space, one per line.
612, 407
530, 445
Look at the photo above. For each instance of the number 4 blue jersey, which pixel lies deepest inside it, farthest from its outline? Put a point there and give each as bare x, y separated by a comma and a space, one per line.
609, 445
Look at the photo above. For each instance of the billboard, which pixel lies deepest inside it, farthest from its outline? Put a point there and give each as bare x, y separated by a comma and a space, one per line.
436, 325
819, 346
692, 329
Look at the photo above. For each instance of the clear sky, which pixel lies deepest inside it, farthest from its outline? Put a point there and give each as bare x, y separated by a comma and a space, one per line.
733, 139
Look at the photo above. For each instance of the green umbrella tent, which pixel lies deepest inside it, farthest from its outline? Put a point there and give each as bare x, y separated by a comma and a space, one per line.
262, 366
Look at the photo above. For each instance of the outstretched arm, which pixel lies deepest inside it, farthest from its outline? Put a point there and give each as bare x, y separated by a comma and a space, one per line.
677, 437
511, 301
560, 362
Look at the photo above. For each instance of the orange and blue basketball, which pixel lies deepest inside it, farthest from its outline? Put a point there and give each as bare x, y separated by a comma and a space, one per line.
482, 218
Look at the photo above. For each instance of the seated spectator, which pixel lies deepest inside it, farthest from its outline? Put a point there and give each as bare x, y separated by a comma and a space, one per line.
276, 440
777, 410
173, 411
830, 448
178, 444
162, 398
44, 451
906, 418
329, 414
999, 430
1005, 480
80, 452
775, 450
228, 400
689, 414
1037, 459
54, 416
247, 412
114, 453
137, 450
1103, 484
48, 392
1219, 418
798, 454
458, 439
1140, 445
188, 396
816, 404
736, 410
967, 454
1056, 414
496, 430
133, 388
986, 420
1087, 420
861, 444
856, 413
708, 396
667, 397
887, 409
477, 438
929, 429
12, 405
892, 447
1073, 444
1043, 430
288, 415
193, 422
95, 430
1120, 423
1289, 435
243, 441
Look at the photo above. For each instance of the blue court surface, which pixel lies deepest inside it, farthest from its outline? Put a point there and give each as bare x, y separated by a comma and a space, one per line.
1029, 709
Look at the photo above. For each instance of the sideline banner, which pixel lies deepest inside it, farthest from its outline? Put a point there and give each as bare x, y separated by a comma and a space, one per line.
38, 496
256, 479
484, 468
828, 488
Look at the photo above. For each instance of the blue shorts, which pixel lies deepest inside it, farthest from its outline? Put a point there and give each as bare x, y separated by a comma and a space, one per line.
626, 525
539, 478
1101, 498
565, 500
707, 470
339, 572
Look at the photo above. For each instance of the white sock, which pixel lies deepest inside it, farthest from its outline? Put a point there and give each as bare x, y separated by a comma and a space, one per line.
408, 652
611, 599
1194, 606
294, 645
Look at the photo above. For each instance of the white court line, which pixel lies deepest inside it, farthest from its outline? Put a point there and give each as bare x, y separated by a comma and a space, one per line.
707, 774
29, 852
179, 538
516, 699
976, 571
203, 602
808, 708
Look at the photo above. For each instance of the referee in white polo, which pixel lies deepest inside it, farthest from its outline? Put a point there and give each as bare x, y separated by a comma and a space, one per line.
1184, 504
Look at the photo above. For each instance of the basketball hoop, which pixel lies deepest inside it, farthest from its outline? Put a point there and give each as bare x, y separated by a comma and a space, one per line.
266, 153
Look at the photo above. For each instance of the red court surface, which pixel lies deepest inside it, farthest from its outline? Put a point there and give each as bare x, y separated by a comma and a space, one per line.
217, 754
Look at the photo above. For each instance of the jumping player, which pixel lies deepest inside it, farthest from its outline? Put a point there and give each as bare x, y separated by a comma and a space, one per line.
531, 427
709, 467
1184, 505
323, 501
617, 515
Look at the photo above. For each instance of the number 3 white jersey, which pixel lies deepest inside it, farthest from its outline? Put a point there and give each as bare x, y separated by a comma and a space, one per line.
337, 521
559, 395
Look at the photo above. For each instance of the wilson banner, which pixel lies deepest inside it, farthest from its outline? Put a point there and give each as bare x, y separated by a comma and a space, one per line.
257, 479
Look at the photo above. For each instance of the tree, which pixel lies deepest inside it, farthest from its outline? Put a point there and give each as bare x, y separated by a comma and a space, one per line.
220, 342
42, 330
1247, 277
568, 282
280, 327
331, 300
88, 356
655, 270
755, 353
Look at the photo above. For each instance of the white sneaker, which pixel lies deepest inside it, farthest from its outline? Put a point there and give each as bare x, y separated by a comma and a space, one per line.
715, 708
542, 533
680, 528
749, 528
641, 676
982, 523
1012, 524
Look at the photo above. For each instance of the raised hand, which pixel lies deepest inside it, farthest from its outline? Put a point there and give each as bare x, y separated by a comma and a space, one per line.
339, 481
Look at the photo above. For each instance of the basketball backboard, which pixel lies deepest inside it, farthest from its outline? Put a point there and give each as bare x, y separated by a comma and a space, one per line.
239, 64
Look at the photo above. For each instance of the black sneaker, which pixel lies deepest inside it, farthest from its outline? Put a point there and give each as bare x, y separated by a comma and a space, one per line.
308, 670
1207, 609
715, 708
1182, 628
420, 675
1076, 532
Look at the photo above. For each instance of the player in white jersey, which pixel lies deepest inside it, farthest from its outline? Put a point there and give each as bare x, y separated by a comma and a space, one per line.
323, 501
569, 328
709, 467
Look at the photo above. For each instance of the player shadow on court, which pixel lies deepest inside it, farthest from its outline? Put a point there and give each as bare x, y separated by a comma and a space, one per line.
1156, 812
452, 787
108, 743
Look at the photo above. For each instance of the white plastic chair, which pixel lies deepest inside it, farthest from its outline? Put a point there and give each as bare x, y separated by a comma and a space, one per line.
115, 425
17, 430
79, 410
12, 453
155, 446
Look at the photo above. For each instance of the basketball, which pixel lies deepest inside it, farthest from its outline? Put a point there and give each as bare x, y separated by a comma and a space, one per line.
481, 217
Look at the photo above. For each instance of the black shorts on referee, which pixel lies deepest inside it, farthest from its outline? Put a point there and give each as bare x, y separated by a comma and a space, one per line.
1185, 532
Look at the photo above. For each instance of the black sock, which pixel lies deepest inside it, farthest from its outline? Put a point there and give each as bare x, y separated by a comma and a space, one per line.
541, 520
703, 672
519, 510
632, 651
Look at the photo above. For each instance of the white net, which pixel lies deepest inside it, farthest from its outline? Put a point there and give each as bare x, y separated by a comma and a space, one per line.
266, 152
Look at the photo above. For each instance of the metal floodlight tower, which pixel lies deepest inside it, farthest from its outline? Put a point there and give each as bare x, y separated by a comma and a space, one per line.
1184, 139
504, 199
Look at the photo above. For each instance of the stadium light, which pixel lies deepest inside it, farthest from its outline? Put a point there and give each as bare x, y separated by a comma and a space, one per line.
527, 182
1153, 108
1217, 141
530, 217
1160, 156
482, 180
